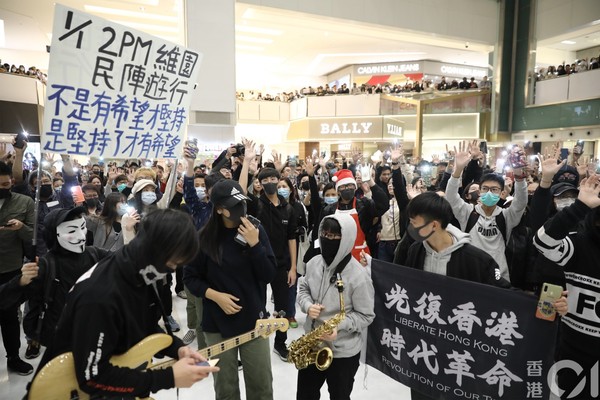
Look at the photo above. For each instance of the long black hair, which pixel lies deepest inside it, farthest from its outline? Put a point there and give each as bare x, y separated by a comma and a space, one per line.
293, 198
210, 236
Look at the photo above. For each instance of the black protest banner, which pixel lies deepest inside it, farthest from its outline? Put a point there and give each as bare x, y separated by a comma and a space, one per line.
454, 339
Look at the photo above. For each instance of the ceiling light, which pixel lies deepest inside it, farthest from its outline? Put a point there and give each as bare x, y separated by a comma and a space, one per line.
126, 13
252, 39
254, 29
568, 42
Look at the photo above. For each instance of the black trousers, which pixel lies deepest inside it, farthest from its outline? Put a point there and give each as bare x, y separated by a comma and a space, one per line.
281, 295
9, 322
178, 280
339, 377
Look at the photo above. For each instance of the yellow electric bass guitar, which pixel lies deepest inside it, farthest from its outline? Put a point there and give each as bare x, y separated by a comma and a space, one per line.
57, 380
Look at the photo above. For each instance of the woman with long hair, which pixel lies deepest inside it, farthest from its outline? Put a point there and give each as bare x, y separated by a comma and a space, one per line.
107, 227
230, 273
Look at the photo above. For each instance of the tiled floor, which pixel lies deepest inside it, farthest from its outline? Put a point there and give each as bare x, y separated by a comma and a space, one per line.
375, 386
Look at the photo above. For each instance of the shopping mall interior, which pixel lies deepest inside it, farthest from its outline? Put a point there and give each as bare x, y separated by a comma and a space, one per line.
329, 76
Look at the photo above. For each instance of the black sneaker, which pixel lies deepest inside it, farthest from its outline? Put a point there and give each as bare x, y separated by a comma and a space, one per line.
282, 352
33, 350
19, 366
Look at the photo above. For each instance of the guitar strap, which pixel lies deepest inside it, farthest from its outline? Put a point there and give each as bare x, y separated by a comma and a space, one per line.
151, 275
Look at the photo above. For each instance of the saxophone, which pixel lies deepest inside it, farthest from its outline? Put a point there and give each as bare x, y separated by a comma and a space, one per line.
309, 349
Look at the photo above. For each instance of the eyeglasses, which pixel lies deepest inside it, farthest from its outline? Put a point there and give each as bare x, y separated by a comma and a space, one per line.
348, 186
331, 236
493, 189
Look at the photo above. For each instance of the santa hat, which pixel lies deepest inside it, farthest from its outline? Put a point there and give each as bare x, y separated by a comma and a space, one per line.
343, 177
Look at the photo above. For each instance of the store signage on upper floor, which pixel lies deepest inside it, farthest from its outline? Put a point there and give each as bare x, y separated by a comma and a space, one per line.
345, 128
388, 68
455, 70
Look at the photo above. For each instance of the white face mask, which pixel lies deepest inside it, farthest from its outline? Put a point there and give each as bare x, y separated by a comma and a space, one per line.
148, 198
71, 235
201, 192
563, 203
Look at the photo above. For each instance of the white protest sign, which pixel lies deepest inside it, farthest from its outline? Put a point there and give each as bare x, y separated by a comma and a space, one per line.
115, 92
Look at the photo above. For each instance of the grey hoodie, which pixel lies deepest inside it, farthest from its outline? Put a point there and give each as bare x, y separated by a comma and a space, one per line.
315, 288
436, 262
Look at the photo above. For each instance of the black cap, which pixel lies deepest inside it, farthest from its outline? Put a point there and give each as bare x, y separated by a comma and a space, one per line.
562, 187
227, 193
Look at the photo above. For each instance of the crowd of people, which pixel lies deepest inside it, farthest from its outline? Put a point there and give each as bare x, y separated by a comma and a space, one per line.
226, 229
426, 85
564, 69
31, 72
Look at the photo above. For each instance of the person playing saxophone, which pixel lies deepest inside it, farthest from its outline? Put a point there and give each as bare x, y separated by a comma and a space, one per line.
319, 297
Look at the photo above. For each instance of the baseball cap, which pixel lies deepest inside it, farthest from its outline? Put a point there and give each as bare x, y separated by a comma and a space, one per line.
560, 188
227, 193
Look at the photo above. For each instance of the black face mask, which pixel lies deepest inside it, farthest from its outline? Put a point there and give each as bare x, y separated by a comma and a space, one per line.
414, 233
329, 248
4, 193
347, 194
237, 212
305, 185
474, 197
46, 191
92, 203
270, 188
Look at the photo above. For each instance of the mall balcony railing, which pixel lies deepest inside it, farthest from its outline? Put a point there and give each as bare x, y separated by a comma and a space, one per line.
425, 119
21, 104
575, 87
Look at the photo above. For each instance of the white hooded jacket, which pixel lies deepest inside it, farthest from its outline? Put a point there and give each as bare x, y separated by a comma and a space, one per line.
316, 288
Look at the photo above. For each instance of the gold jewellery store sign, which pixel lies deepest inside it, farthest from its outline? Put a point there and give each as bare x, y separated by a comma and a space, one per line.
351, 129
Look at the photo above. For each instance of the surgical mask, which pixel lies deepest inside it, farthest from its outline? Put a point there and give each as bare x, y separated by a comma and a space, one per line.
561, 204
284, 192
413, 231
46, 191
332, 171
201, 192
270, 188
71, 235
237, 212
347, 194
121, 187
329, 248
58, 188
122, 209
330, 200
148, 198
305, 185
490, 199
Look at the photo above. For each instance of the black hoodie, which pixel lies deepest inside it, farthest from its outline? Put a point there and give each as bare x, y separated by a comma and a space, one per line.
108, 311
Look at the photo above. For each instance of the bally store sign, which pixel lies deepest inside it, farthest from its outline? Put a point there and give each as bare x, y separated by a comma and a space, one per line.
360, 128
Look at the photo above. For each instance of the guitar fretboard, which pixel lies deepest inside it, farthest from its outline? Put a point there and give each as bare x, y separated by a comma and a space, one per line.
219, 348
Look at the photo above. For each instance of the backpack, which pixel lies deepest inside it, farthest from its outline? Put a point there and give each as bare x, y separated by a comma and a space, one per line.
517, 249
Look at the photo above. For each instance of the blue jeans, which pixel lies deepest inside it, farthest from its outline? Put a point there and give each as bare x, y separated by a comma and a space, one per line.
386, 250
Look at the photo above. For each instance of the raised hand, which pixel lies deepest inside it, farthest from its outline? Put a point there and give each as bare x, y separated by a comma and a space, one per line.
365, 172
461, 156
589, 189
412, 191
356, 155
474, 149
309, 167
397, 154
549, 162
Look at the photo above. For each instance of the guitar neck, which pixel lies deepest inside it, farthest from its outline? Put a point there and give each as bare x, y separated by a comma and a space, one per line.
217, 349
212, 351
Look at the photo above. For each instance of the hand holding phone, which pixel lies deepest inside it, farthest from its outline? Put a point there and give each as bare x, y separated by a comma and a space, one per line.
78, 196
545, 308
247, 232
20, 140
517, 158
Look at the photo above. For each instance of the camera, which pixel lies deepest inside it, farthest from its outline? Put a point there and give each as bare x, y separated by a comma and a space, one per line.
239, 150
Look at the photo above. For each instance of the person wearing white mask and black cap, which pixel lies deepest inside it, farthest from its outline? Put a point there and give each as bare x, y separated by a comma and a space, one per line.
67, 259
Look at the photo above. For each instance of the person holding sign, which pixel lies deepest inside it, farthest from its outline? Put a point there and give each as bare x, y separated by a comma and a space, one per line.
116, 304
